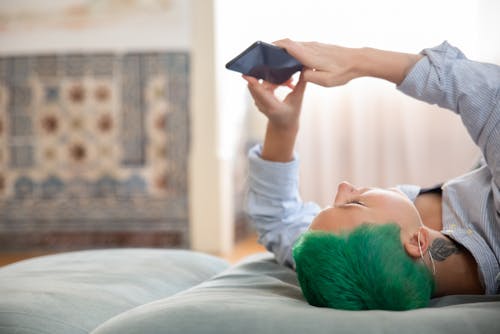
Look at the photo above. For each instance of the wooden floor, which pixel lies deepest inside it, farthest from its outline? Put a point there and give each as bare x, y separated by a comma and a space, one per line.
8, 258
242, 249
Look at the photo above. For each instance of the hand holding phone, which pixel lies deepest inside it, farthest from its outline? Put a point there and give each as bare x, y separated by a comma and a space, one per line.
265, 61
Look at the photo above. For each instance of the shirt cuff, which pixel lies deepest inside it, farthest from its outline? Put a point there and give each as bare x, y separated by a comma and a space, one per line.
420, 83
414, 82
273, 179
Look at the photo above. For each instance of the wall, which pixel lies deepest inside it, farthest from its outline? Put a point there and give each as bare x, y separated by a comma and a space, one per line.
30, 26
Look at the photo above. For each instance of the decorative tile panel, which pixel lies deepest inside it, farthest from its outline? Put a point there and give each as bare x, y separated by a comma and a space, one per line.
94, 142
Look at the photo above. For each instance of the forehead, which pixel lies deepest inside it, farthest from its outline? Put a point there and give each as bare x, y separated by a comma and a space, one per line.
339, 220
380, 206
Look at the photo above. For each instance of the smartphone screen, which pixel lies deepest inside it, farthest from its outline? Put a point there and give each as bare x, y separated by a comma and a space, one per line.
265, 61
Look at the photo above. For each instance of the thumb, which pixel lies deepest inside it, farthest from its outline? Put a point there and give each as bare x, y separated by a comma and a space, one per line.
297, 94
321, 78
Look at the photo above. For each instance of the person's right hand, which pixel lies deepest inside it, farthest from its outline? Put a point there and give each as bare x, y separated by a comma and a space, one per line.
282, 114
283, 117
326, 65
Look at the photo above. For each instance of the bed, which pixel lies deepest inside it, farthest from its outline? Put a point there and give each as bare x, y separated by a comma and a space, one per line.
175, 291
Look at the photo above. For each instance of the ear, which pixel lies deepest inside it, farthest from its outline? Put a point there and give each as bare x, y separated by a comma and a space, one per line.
416, 244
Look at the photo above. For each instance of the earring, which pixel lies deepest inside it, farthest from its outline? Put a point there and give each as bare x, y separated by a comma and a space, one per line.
422, 255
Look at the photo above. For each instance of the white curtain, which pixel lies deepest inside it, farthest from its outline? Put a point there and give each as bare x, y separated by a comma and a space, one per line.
372, 135
367, 132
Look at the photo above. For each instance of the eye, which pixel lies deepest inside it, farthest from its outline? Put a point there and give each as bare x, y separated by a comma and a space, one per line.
355, 202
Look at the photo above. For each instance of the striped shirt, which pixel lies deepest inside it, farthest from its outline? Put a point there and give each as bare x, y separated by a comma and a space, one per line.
470, 203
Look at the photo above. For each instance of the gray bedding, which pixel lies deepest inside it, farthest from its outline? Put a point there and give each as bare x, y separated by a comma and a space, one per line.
260, 296
164, 291
72, 293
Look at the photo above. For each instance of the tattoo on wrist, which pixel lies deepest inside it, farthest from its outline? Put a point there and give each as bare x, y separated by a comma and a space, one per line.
443, 248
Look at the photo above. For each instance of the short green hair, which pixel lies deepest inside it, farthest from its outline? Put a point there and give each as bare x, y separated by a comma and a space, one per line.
364, 269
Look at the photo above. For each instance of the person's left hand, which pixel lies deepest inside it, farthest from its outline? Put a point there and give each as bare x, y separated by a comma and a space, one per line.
283, 115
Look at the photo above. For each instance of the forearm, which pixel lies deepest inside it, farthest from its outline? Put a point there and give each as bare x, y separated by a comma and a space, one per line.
387, 65
274, 205
279, 143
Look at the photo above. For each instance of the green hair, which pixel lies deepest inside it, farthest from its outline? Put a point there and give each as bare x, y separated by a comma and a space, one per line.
365, 269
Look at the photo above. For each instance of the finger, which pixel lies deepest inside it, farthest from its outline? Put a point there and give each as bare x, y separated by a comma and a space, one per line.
284, 43
255, 98
250, 80
269, 86
301, 84
281, 42
297, 50
289, 83
266, 84
263, 97
298, 93
262, 93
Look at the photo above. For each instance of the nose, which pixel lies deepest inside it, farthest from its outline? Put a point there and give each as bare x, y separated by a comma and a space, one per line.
345, 187
344, 191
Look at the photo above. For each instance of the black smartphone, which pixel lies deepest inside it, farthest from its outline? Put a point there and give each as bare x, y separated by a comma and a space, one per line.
265, 61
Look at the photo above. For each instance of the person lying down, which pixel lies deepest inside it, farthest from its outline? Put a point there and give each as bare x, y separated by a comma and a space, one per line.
391, 249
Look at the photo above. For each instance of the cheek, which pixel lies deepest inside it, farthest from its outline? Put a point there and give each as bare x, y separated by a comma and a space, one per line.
318, 222
324, 221
399, 211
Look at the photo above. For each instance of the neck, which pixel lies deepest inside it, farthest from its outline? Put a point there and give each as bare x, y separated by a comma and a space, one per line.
456, 269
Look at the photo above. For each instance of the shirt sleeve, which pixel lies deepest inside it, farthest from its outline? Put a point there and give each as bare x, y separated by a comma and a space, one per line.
471, 89
274, 205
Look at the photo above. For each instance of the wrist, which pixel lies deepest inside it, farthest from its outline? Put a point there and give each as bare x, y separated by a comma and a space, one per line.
366, 62
279, 143
387, 65
283, 129
359, 66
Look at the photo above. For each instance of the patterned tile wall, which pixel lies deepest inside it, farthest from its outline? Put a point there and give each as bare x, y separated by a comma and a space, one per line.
94, 143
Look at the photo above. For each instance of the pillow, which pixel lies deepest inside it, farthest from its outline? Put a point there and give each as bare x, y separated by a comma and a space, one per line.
75, 292
260, 296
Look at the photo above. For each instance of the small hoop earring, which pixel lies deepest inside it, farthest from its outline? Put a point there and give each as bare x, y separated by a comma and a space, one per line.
422, 255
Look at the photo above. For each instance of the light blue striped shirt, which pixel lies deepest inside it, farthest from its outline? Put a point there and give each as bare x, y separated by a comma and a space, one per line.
471, 203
